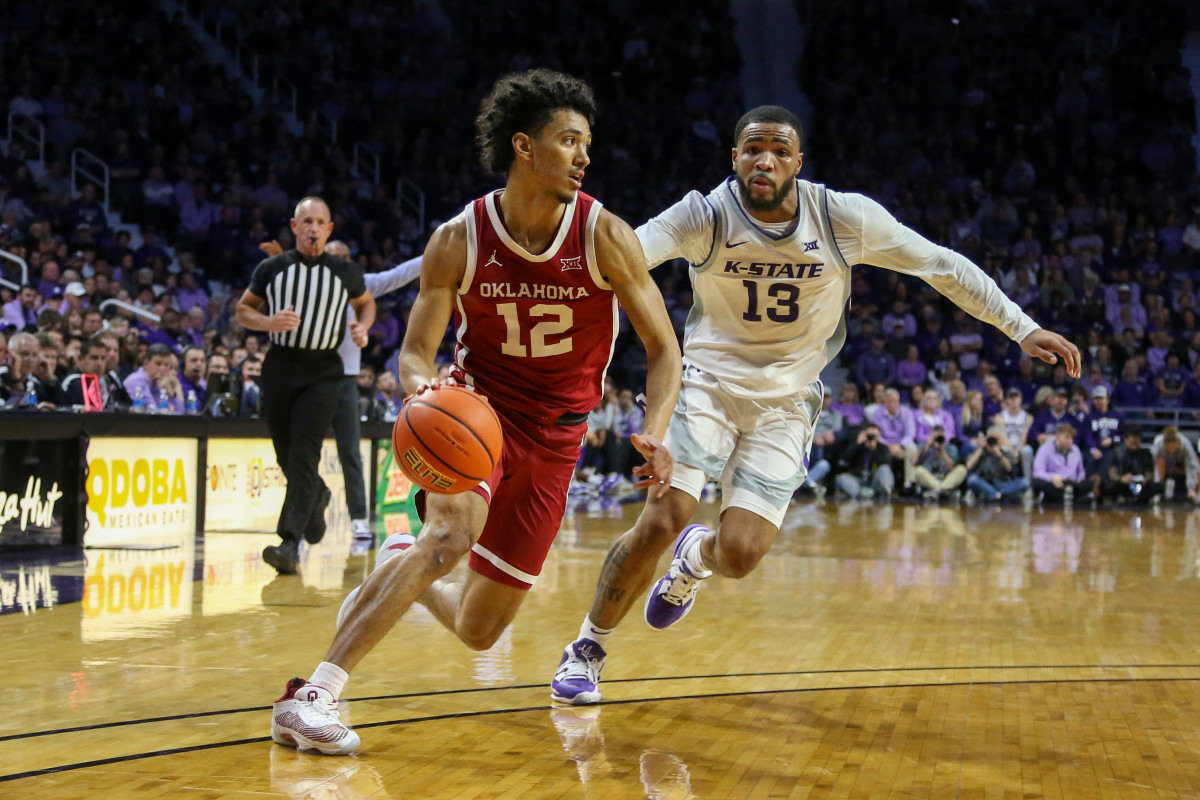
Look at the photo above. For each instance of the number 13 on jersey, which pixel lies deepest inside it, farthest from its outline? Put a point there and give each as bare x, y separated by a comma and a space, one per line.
556, 319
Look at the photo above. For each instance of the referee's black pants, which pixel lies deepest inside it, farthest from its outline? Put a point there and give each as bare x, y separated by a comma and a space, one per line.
299, 398
348, 433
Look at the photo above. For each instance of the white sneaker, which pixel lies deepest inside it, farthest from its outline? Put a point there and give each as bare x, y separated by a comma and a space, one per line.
394, 545
363, 540
673, 596
577, 679
307, 719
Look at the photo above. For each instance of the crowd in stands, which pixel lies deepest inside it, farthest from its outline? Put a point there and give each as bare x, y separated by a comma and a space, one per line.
1063, 168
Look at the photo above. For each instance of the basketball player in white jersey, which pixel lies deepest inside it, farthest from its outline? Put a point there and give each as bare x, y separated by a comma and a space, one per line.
771, 258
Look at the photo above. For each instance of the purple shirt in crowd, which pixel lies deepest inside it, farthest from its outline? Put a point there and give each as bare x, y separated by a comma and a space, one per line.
186, 298
923, 424
910, 373
898, 429
140, 382
1050, 462
852, 413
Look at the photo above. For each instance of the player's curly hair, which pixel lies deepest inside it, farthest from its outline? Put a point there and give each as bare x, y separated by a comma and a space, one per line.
774, 114
523, 102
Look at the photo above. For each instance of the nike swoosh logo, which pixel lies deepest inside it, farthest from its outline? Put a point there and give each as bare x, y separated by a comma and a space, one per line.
734, 244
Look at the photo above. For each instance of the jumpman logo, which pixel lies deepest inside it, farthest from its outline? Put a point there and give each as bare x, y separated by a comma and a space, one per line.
493, 260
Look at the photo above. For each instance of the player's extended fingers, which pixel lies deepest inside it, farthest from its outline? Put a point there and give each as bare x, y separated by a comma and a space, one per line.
1074, 360
644, 446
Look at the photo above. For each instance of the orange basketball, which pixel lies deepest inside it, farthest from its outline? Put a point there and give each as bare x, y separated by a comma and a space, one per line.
447, 440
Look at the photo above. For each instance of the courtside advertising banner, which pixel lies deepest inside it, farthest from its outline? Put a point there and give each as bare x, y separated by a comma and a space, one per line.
140, 489
245, 486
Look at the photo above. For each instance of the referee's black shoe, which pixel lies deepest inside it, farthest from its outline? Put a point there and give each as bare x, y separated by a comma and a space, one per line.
314, 531
284, 557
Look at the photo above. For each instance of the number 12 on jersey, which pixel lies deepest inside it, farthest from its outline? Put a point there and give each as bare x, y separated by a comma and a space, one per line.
562, 320
785, 309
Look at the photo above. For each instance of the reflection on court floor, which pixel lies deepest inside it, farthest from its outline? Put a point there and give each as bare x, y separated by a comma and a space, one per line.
878, 651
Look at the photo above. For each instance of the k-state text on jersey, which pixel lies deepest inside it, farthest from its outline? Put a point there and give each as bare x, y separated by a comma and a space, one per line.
770, 270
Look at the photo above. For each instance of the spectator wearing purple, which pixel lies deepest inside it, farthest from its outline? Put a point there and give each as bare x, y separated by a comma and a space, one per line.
148, 381
1095, 377
1191, 390
1156, 353
1058, 466
876, 365
860, 342
21, 312
1048, 419
50, 278
911, 372
1170, 235
993, 396
1024, 293
848, 406
899, 315
1131, 390
167, 332
931, 415
1024, 382
897, 431
1027, 245
955, 398
384, 335
196, 212
1170, 383
189, 294
929, 338
151, 249
1136, 316
966, 343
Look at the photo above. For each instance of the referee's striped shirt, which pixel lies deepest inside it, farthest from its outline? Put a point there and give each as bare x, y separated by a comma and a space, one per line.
318, 291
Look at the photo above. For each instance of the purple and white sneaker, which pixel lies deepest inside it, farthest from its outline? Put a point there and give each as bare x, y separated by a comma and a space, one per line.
578, 676
673, 596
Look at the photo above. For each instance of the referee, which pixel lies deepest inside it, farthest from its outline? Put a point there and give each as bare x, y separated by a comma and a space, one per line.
346, 429
300, 298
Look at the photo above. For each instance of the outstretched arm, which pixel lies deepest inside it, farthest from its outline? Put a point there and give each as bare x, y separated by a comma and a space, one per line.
882, 241
623, 265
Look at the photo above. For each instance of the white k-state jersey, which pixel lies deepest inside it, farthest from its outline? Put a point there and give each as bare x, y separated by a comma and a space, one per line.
768, 309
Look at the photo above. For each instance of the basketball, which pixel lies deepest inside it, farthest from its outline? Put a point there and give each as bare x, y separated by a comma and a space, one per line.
447, 440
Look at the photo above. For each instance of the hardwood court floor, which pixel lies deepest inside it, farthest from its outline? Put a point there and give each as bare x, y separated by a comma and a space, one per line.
878, 652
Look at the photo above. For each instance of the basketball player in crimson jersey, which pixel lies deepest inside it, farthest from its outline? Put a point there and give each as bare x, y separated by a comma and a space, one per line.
532, 275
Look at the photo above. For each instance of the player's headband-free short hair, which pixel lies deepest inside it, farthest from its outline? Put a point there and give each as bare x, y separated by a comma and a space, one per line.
777, 115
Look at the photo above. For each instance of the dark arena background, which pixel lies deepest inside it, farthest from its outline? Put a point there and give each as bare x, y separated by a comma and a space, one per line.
957, 632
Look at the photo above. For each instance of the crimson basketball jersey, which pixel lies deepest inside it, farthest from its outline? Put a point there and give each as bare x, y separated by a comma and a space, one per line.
535, 331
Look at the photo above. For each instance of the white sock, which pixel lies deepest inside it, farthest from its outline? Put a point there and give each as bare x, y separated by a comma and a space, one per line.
329, 677
693, 558
590, 630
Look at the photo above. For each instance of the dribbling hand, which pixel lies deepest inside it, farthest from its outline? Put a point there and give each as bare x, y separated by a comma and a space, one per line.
659, 466
433, 384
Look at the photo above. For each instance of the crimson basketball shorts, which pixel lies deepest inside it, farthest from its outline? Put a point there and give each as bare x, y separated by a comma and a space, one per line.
526, 495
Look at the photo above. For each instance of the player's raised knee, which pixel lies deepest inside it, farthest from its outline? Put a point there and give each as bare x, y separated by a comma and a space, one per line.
479, 634
443, 548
